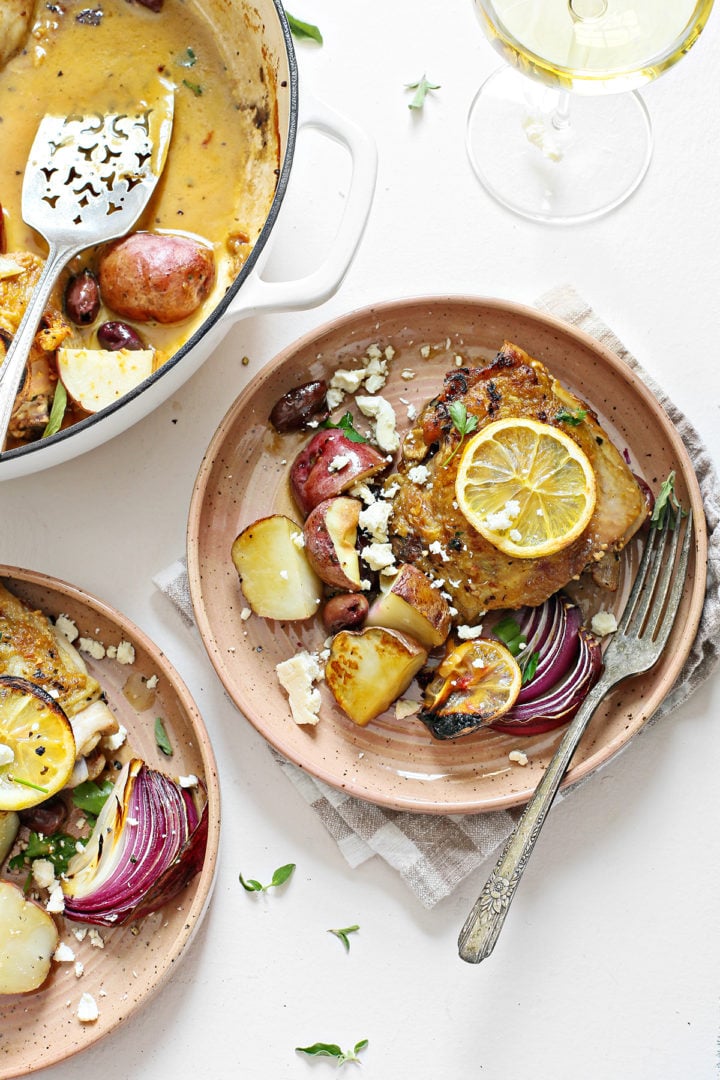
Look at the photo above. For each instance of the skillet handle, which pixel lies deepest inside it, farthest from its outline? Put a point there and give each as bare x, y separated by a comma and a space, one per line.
258, 296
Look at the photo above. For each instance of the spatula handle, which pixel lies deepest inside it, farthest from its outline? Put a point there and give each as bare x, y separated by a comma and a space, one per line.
13, 365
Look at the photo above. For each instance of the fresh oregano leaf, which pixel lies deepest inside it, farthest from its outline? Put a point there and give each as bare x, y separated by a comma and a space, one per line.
666, 497
320, 1049
57, 412
303, 29
345, 424
280, 876
462, 422
90, 796
343, 932
508, 630
421, 89
161, 737
529, 667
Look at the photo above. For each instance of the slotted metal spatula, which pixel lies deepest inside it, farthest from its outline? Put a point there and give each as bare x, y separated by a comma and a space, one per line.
87, 181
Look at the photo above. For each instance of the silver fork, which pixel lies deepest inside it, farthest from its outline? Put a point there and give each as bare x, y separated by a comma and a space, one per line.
639, 640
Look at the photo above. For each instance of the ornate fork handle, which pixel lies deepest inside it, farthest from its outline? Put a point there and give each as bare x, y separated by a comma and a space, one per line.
485, 921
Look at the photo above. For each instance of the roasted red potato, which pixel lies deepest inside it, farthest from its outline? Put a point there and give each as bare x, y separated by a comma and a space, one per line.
329, 465
150, 276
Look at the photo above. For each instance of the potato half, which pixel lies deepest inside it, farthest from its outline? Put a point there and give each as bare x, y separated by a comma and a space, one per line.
276, 577
28, 939
368, 669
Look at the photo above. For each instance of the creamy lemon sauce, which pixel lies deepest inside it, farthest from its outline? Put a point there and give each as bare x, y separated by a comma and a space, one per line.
221, 170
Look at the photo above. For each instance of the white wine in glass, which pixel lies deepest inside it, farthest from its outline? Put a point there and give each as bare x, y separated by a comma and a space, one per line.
574, 139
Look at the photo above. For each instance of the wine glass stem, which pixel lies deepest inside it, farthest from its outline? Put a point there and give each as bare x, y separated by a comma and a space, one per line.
561, 113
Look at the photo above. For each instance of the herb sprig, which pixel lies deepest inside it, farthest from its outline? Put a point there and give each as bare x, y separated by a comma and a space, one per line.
280, 876
320, 1049
302, 29
463, 423
345, 423
342, 934
665, 499
421, 88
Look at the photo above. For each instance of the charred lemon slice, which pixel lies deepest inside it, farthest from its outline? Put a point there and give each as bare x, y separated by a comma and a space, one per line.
474, 685
37, 745
526, 487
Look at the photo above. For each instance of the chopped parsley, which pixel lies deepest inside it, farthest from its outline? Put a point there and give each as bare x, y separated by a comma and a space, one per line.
58, 849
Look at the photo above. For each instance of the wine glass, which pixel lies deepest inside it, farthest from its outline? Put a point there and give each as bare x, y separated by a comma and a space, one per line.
543, 156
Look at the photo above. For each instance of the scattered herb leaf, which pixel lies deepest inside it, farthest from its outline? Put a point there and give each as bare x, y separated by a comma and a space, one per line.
187, 59
57, 848
462, 423
508, 630
57, 412
343, 935
421, 89
529, 667
91, 797
332, 1050
666, 497
345, 423
280, 876
195, 87
303, 29
573, 417
161, 737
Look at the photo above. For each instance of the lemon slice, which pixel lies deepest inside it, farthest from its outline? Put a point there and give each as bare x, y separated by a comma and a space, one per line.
37, 745
475, 683
527, 487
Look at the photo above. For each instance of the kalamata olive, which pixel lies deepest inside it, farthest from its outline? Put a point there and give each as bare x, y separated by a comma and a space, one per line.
46, 818
303, 403
82, 298
118, 335
344, 612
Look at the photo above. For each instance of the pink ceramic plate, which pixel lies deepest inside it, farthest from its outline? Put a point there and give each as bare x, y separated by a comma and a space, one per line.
244, 476
42, 1028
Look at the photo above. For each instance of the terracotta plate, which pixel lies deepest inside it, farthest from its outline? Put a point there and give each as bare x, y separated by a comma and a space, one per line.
244, 476
41, 1029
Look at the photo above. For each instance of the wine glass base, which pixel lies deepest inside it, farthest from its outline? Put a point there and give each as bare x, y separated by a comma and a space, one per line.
543, 166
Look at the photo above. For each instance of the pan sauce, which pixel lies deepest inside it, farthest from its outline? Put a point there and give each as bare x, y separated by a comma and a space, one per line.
221, 171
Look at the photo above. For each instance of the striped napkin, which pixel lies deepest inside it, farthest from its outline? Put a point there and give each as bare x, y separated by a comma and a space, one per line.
433, 854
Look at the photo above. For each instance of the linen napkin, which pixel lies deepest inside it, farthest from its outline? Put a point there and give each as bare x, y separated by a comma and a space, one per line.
433, 854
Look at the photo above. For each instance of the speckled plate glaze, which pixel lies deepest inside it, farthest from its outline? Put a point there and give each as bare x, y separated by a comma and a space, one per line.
42, 1028
244, 476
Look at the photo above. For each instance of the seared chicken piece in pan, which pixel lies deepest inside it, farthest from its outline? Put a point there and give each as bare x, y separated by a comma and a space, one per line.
478, 576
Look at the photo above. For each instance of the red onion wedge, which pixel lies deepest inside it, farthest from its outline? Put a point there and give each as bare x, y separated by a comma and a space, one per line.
148, 843
558, 705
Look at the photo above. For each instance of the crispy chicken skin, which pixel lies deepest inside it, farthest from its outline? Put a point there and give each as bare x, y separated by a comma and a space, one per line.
477, 576
32, 649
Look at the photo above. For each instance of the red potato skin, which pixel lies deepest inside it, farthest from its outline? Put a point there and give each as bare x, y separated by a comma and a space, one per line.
152, 277
311, 479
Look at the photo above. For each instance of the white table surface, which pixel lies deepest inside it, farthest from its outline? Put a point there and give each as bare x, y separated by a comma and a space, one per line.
609, 963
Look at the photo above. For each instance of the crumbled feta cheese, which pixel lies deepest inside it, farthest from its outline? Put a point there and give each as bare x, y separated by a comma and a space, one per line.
96, 939
366, 584
504, 518
67, 627
418, 474
298, 540
297, 677
362, 491
389, 352
338, 462
381, 411
436, 548
87, 1011
285, 575
346, 380
391, 491
411, 412
188, 781
333, 398
374, 520
56, 900
425, 351
43, 873
603, 622
375, 382
117, 739
79, 969
245, 614
378, 556
80, 932
91, 647
407, 374
404, 707
467, 633
152, 682
515, 535
7, 754
518, 756
64, 954
125, 653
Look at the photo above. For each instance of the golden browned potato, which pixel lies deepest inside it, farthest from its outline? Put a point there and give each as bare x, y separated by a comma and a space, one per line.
412, 606
150, 276
276, 577
28, 939
368, 669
